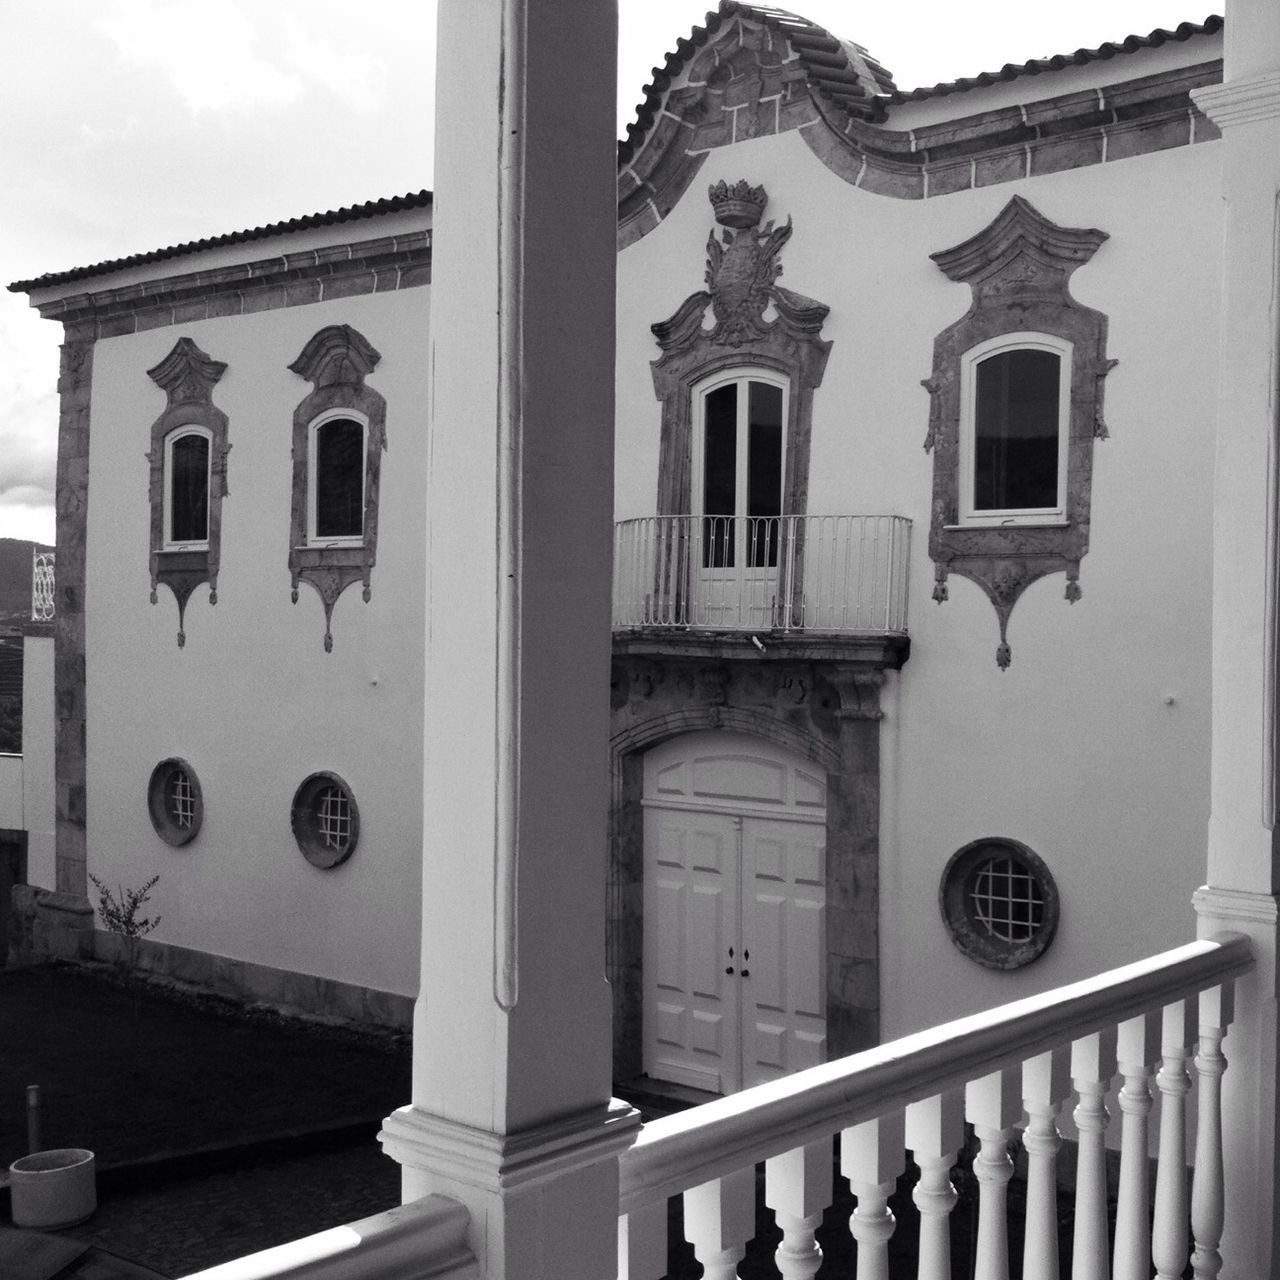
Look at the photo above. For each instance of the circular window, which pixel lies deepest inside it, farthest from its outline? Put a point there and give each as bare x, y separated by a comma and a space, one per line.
999, 902
174, 801
326, 822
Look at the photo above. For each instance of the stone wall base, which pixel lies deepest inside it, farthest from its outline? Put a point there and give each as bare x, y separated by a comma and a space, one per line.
47, 925
53, 926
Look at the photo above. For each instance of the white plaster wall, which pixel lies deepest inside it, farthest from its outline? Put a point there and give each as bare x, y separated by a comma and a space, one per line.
253, 702
1076, 750
38, 760
11, 791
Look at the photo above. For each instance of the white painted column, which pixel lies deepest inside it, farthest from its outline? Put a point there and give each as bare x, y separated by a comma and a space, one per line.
1242, 855
511, 1111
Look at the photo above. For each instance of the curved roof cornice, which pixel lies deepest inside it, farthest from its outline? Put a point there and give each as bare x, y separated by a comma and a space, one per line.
753, 70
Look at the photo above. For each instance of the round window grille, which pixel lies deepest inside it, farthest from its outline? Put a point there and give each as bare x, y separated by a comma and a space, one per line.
326, 821
174, 802
999, 903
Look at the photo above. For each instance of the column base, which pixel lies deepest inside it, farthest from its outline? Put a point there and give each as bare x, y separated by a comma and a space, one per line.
543, 1202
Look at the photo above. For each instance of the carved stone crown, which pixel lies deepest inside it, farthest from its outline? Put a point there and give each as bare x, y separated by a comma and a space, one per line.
740, 205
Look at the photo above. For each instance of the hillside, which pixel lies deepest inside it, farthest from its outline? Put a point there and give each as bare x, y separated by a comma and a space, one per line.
15, 580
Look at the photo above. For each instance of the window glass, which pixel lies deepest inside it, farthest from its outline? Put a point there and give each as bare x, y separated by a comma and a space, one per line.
764, 472
719, 475
189, 489
1016, 431
339, 479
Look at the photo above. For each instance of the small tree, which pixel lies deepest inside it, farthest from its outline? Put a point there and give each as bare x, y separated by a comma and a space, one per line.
119, 910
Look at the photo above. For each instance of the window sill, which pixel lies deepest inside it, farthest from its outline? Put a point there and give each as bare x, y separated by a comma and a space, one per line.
1010, 522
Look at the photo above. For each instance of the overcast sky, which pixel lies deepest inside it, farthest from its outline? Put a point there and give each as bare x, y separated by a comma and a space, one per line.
126, 125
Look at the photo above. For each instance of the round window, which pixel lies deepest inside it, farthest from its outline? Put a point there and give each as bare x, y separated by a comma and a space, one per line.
326, 822
999, 903
174, 801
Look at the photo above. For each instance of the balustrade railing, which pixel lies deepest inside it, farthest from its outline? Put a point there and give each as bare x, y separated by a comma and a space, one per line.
825, 573
992, 1069
426, 1237
42, 580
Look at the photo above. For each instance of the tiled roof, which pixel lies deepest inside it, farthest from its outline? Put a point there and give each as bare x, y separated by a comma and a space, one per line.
842, 71
1013, 71
352, 213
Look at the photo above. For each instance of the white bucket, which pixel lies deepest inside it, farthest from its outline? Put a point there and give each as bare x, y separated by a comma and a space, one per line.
54, 1188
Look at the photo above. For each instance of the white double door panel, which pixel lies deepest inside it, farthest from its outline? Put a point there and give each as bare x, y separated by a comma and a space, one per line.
735, 945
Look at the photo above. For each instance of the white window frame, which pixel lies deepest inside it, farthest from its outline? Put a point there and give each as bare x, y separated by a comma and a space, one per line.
969, 362
169, 543
313, 431
744, 375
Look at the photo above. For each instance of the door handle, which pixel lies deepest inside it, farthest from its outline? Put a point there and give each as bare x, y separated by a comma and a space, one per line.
729, 970
746, 973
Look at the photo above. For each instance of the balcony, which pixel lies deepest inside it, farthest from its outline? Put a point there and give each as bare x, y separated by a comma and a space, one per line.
831, 574
1156, 1027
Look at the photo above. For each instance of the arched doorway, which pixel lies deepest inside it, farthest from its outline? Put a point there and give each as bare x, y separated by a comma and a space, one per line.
734, 987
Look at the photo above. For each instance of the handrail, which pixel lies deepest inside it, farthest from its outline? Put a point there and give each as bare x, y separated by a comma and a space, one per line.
678, 1152
425, 1238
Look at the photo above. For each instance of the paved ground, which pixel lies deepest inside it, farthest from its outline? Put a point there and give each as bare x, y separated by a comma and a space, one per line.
217, 1133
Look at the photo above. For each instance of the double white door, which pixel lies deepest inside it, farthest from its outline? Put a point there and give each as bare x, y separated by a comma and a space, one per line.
735, 947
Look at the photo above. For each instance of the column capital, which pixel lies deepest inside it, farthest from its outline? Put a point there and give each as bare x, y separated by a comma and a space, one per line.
495, 1162
1216, 908
1240, 101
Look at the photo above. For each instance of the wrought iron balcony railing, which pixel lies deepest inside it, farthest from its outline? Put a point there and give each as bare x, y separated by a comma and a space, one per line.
742, 573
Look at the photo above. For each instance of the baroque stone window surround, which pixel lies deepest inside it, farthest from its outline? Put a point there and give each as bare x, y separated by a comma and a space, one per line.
187, 376
788, 345
1019, 268
336, 361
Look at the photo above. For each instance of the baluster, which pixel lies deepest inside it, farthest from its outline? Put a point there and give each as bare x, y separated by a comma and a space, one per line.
934, 1134
642, 1242
871, 1157
993, 1107
1137, 1049
1217, 1006
719, 1219
1046, 1085
1169, 1229
1093, 1064
797, 1187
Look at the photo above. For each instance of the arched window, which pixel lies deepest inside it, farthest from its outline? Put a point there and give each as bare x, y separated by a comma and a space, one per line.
336, 484
1015, 413
738, 459
187, 456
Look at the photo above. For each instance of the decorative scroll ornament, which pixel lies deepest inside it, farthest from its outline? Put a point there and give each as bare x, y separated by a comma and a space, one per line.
742, 318
336, 360
1019, 269
187, 376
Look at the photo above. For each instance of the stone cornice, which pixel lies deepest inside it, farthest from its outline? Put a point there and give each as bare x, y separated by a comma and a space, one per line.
284, 280
869, 652
1092, 126
1240, 101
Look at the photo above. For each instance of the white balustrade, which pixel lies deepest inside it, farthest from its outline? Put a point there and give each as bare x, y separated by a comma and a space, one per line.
934, 1135
1046, 1085
798, 1189
1093, 1066
426, 1237
1024, 1058
822, 573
